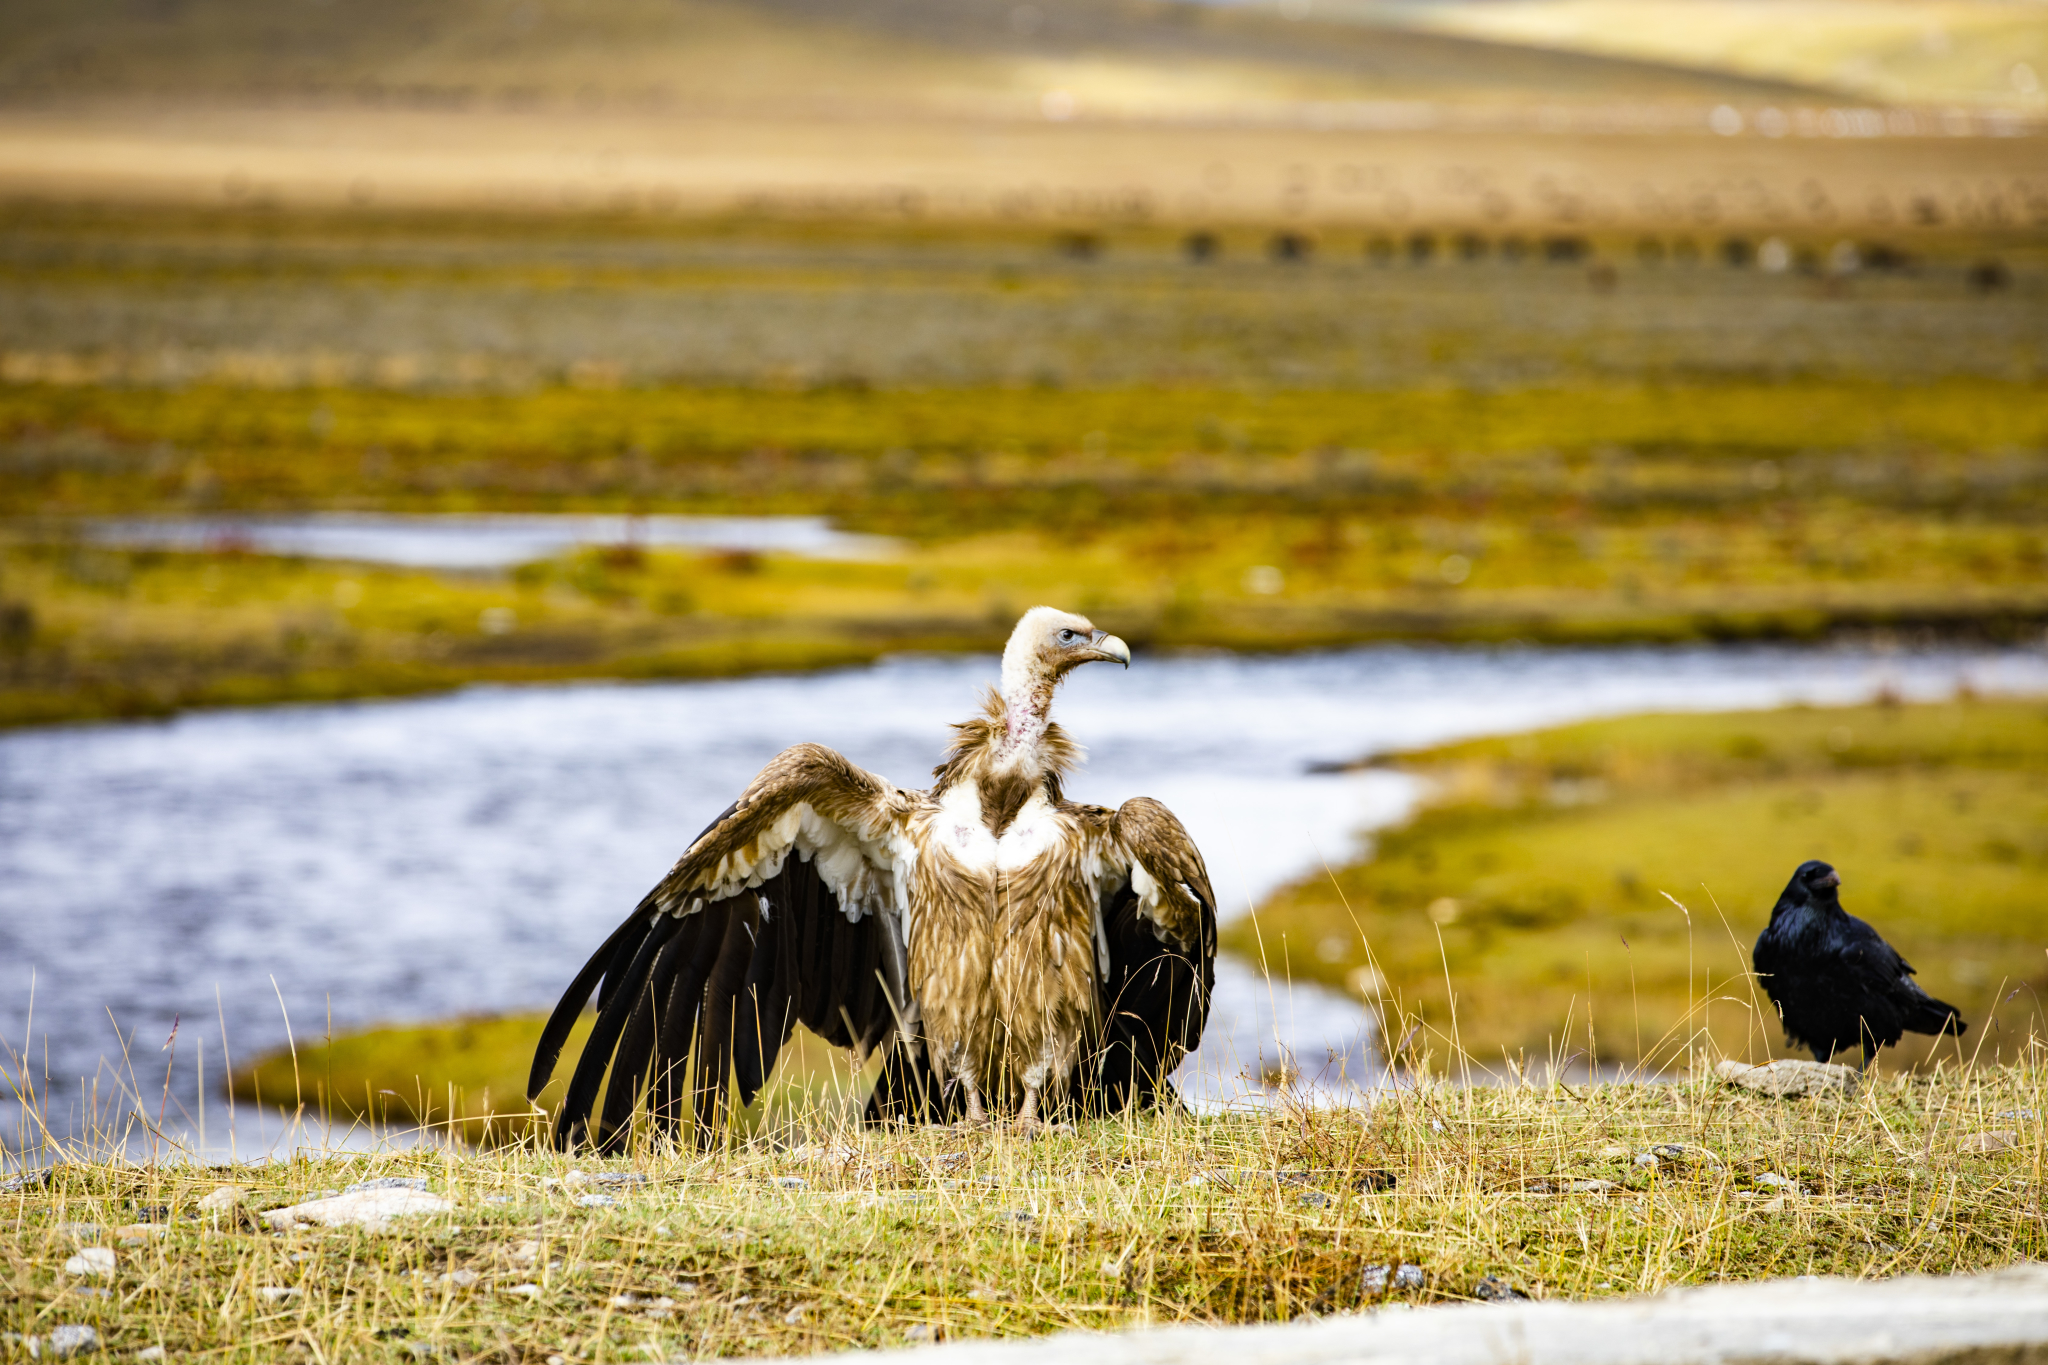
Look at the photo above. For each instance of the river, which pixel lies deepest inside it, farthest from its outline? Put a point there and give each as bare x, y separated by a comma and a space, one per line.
400, 860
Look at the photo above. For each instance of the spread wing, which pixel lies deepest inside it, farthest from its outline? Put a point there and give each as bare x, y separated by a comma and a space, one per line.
1156, 954
785, 910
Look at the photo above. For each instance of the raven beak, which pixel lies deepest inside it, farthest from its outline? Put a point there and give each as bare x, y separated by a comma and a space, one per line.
1832, 879
1109, 649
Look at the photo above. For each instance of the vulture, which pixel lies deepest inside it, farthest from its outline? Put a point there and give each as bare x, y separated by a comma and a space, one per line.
1835, 982
1012, 953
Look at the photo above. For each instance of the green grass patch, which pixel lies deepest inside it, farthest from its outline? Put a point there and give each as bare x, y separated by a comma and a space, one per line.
1593, 891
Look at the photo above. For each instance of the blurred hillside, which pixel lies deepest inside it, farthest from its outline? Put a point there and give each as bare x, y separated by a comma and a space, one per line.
1986, 52
1038, 110
984, 56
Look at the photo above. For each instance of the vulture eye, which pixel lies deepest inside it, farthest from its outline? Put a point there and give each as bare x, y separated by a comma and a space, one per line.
1068, 637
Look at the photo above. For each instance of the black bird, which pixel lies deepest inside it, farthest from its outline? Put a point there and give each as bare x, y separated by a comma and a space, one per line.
1835, 982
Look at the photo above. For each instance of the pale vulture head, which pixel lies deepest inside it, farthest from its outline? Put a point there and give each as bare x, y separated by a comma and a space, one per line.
1046, 643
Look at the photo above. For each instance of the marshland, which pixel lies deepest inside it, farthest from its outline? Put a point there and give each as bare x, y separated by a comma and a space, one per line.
1552, 481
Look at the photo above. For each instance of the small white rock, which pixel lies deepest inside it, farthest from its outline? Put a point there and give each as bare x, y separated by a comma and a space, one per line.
150, 1353
461, 1279
531, 1291
278, 1293
223, 1198
91, 1261
71, 1339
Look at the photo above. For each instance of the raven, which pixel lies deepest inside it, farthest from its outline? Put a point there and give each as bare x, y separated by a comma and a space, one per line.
1835, 982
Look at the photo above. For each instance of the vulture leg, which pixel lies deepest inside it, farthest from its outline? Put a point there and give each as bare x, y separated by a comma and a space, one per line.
976, 1115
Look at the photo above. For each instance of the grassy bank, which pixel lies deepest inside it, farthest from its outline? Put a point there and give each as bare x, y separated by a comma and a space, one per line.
828, 1237
1529, 910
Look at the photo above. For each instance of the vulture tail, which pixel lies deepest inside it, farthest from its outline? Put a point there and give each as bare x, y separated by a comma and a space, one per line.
1151, 1019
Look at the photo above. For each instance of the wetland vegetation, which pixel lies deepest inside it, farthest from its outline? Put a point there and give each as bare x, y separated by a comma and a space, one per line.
1235, 453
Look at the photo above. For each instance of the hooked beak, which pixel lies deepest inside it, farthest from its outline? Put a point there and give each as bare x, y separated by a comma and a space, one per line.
1109, 649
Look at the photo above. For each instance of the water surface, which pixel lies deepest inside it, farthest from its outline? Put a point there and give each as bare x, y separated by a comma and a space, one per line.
494, 541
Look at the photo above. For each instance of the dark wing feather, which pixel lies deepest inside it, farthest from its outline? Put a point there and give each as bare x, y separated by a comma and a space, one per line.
1891, 1000
624, 942
760, 1021
611, 1022
1159, 926
744, 937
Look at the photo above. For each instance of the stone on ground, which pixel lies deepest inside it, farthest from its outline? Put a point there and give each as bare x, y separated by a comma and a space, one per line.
1789, 1079
365, 1209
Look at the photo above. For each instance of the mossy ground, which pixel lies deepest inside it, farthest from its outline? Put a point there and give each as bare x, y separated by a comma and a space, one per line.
821, 1236
1592, 892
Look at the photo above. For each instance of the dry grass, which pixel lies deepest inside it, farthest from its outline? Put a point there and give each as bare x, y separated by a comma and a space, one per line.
820, 1236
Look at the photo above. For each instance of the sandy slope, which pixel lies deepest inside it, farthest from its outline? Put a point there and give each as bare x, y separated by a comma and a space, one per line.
1051, 109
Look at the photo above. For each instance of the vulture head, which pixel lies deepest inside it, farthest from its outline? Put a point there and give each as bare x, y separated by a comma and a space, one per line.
1045, 645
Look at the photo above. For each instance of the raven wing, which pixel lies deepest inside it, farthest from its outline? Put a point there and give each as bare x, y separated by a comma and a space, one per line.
1892, 1001
787, 909
1156, 955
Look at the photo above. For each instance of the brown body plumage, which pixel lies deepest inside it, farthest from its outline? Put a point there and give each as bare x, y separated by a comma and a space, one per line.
1024, 951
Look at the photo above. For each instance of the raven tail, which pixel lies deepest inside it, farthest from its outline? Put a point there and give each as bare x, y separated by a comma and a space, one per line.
1937, 1017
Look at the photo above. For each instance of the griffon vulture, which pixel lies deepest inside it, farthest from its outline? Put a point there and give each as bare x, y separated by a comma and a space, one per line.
1011, 949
